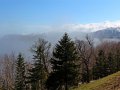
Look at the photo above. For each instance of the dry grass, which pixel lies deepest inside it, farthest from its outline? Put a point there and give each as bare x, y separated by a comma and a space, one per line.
111, 82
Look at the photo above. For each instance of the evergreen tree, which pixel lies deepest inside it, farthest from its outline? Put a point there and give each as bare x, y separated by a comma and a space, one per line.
64, 64
101, 68
20, 73
117, 60
39, 73
111, 64
37, 76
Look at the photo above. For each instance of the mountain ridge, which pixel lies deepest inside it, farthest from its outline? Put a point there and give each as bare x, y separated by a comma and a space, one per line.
107, 33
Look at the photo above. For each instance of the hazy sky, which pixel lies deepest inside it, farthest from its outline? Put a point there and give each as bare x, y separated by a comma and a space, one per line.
26, 16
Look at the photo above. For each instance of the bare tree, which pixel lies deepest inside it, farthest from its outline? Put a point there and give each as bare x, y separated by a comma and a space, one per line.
8, 71
85, 49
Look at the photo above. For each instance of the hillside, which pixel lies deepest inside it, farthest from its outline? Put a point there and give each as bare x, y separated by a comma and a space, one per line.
111, 82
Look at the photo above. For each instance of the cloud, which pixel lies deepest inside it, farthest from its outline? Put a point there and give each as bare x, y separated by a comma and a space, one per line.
38, 28
91, 27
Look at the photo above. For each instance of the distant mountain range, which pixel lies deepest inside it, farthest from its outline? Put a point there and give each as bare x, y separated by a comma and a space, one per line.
23, 43
109, 33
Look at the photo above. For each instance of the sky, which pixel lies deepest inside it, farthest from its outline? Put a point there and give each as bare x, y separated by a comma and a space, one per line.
33, 16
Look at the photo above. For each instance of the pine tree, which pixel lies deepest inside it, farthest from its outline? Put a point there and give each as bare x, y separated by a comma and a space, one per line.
64, 64
39, 73
37, 76
20, 73
111, 63
101, 68
117, 60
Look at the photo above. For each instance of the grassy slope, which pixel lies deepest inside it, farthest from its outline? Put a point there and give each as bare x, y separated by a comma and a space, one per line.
111, 82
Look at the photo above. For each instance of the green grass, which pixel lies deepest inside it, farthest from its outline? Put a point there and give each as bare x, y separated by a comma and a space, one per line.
111, 82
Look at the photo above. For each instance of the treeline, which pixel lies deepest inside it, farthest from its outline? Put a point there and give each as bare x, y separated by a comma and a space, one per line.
63, 67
